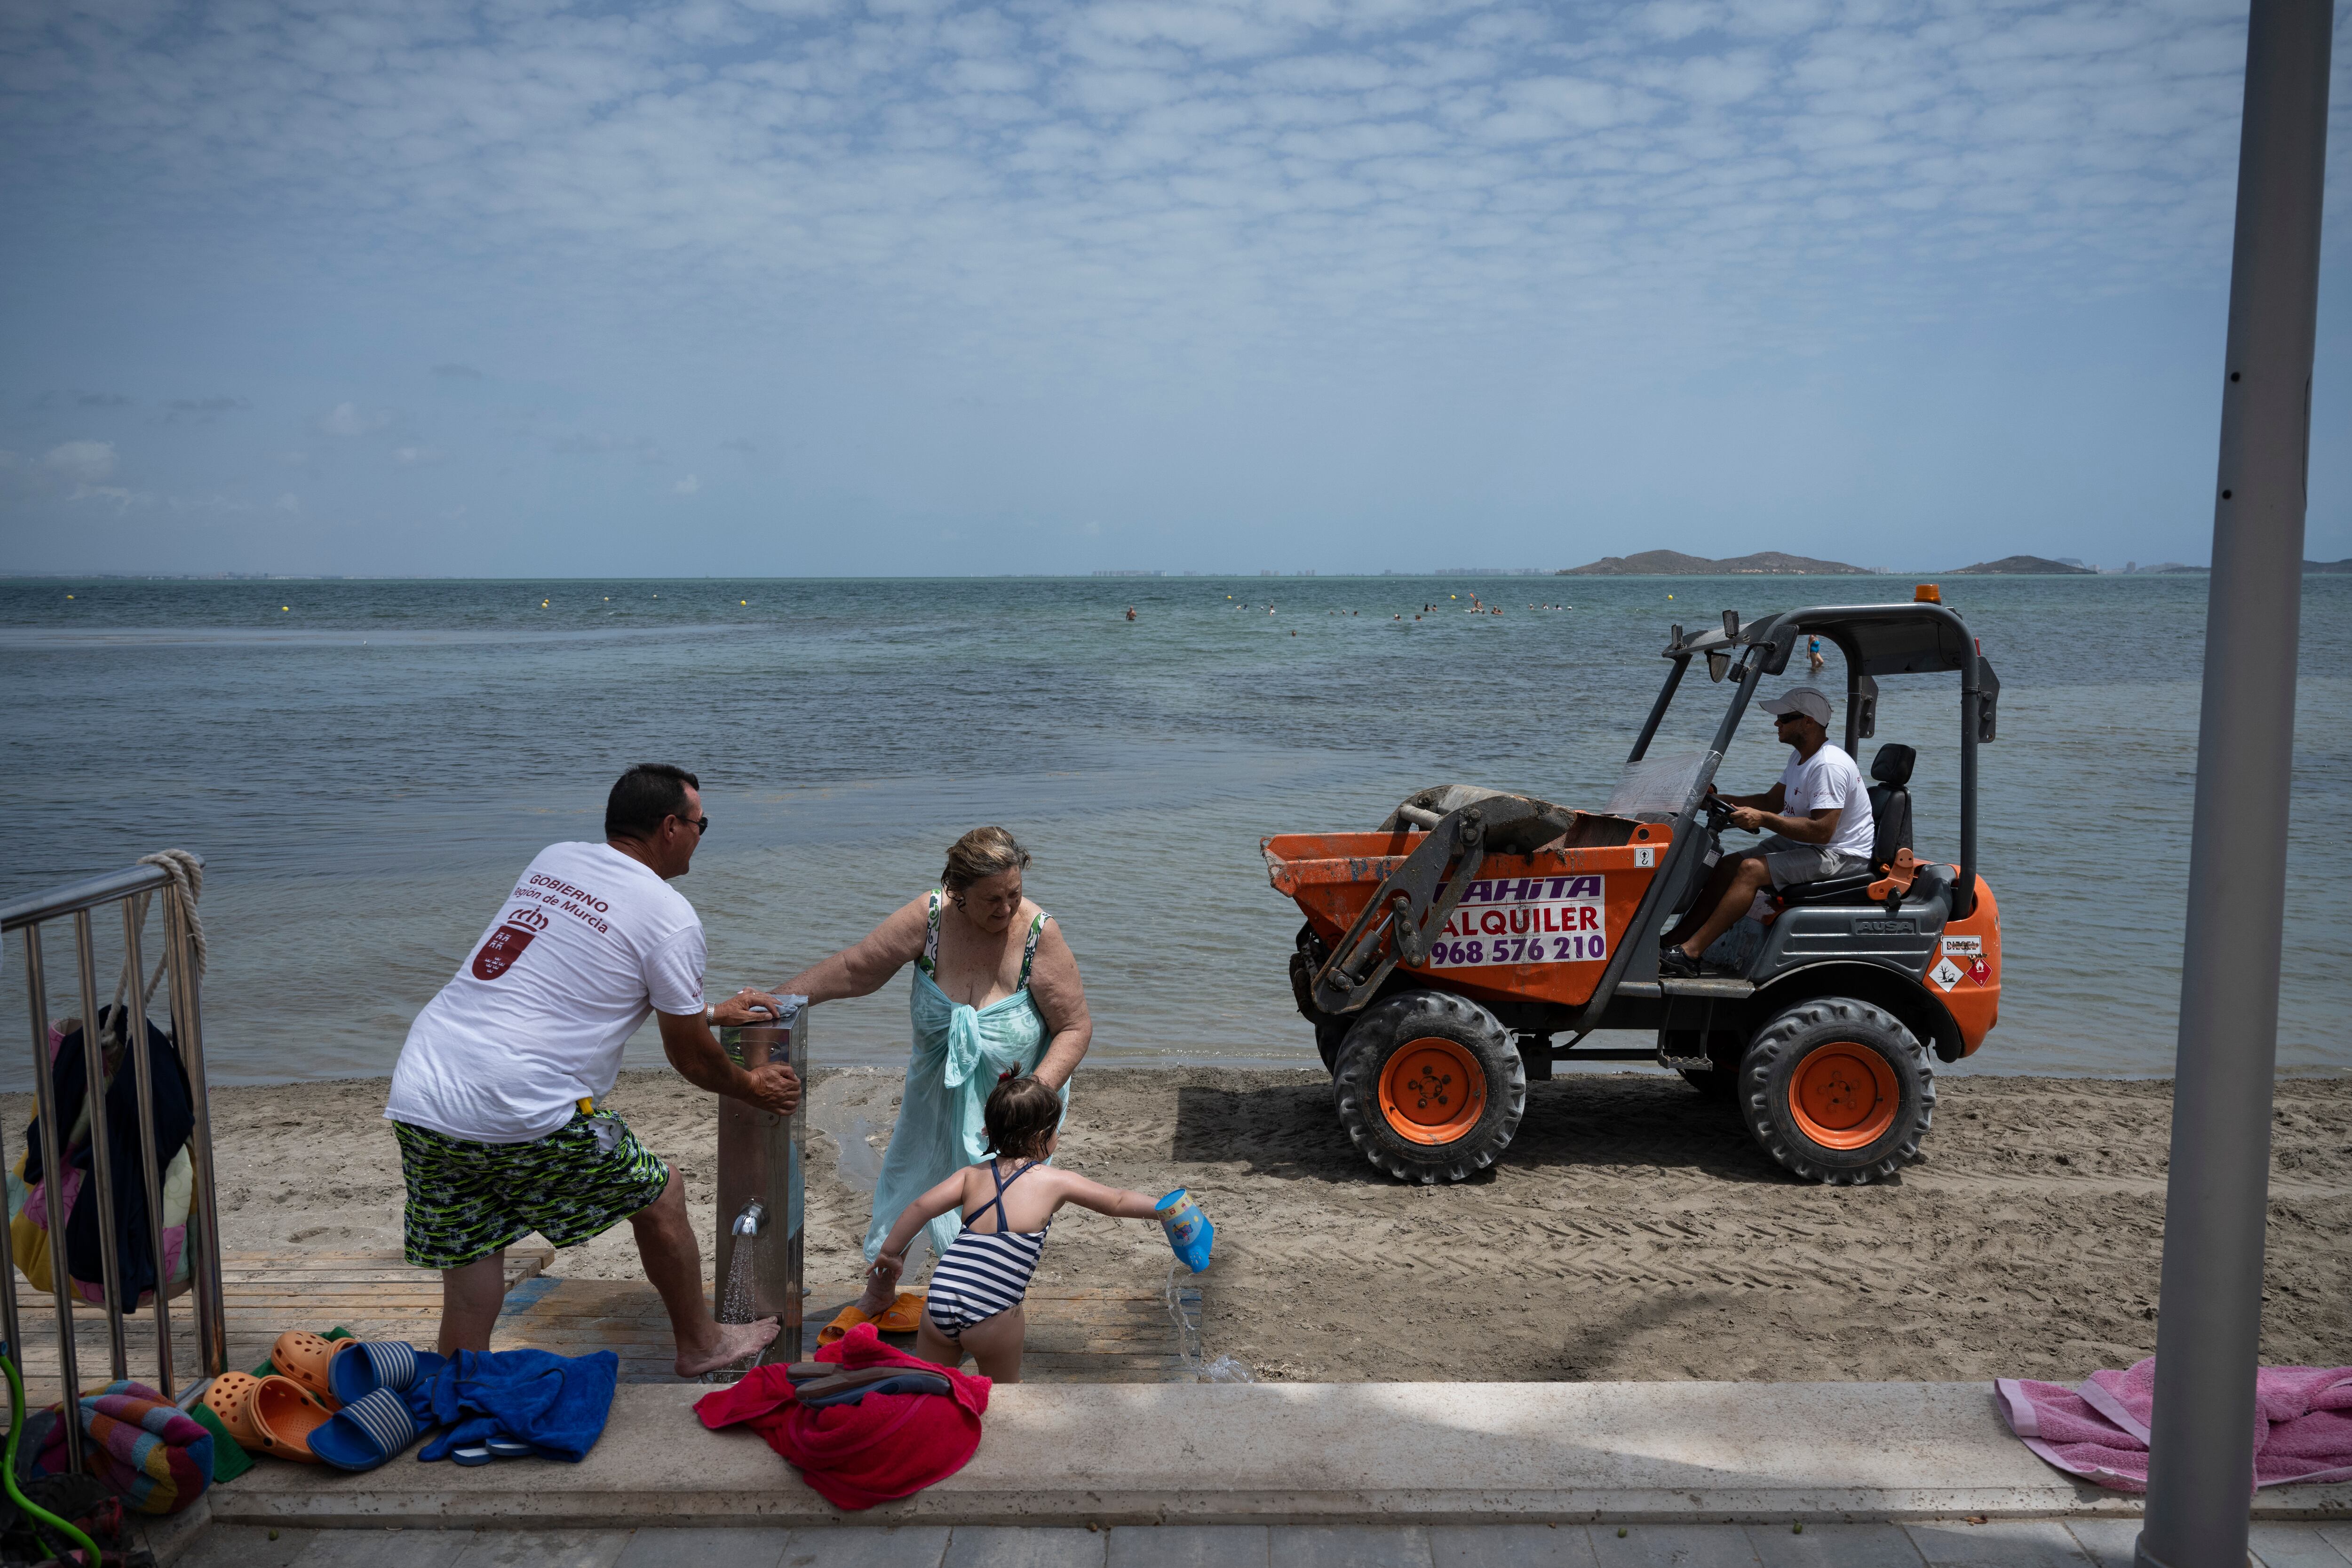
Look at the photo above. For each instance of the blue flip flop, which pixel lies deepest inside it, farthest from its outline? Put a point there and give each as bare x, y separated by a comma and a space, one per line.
365, 1365
365, 1433
507, 1449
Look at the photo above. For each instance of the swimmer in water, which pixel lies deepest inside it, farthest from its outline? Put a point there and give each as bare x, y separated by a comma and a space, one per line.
1130, 612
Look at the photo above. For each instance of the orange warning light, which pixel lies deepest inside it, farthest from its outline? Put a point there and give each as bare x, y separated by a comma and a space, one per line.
1927, 593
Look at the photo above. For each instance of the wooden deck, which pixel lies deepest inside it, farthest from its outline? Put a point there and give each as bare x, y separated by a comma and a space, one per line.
1074, 1336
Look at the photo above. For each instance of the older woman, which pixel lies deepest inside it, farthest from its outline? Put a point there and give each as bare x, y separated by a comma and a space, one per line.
996, 994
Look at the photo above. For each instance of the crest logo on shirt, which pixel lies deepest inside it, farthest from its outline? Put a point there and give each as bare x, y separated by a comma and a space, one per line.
498, 953
528, 916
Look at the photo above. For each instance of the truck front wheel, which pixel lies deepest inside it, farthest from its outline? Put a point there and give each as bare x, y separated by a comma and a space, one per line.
1837, 1091
1430, 1087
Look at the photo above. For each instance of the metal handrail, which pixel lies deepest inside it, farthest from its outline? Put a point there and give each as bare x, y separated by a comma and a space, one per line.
85, 894
128, 889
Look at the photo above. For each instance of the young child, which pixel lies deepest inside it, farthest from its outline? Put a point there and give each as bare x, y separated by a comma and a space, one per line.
1008, 1204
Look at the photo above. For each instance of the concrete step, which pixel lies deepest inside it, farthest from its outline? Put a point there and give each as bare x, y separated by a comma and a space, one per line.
1293, 1454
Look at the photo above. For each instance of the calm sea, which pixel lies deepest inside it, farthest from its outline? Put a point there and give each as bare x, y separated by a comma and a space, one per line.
365, 766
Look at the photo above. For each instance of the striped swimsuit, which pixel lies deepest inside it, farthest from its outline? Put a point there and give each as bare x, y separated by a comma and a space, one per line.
984, 1273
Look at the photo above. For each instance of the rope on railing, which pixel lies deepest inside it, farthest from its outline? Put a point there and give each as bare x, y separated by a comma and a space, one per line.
186, 885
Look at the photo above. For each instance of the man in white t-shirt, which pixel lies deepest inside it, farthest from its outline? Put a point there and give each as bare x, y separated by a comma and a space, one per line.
1818, 818
493, 1100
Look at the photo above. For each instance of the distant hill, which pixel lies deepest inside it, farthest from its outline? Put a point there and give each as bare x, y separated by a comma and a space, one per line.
2022, 566
1675, 564
2343, 565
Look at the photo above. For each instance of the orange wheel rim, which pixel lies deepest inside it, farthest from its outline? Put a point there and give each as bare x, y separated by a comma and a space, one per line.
1433, 1090
1843, 1096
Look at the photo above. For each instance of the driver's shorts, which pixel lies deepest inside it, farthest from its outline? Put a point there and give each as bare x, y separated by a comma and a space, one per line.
1790, 862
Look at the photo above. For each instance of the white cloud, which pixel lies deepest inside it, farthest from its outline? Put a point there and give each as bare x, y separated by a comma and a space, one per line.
415, 456
688, 485
1133, 172
351, 419
84, 462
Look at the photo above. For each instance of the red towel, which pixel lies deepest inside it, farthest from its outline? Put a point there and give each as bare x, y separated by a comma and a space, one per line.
2098, 1429
886, 1445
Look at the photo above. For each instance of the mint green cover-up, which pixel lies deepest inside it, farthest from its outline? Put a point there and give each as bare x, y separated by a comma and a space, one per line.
960, 1054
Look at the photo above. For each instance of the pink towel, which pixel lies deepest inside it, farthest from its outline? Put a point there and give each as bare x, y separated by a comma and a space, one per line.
2098, 1428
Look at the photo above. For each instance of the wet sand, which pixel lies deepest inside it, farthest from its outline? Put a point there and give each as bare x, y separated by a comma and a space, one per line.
1631, 1232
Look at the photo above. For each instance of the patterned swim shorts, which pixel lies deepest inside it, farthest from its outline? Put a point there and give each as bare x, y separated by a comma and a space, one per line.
468, 1200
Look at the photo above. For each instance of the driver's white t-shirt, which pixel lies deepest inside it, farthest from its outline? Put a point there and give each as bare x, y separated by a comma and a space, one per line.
1829, 778
587, 944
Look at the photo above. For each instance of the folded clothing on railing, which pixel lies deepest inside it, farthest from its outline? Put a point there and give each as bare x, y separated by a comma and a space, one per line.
134, 1252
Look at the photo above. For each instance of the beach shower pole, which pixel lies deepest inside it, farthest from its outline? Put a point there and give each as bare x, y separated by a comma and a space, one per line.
2208, 1332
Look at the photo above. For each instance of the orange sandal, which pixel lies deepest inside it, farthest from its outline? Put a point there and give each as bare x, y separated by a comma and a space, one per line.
901, 1317
230, 1397
283, 1415
304, 1357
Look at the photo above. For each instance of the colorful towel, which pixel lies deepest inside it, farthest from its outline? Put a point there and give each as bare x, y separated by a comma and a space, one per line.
886, 1445
2099, 1428
556, 1404
156, 1457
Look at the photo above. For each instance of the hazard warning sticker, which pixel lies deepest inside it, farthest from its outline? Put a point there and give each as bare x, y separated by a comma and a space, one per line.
1963, 946
1525, 919
1946, 973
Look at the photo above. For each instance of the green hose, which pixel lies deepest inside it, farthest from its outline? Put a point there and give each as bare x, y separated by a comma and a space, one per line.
33, 1512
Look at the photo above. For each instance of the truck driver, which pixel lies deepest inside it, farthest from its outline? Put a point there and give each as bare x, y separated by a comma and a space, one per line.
1819, 822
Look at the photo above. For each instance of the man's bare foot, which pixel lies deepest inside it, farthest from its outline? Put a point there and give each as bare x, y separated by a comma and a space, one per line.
877, 1300
734, 1343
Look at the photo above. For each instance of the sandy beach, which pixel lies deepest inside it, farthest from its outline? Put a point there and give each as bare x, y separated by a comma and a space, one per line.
1634, 1232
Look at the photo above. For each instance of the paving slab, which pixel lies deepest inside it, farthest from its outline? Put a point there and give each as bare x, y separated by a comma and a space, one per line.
1347, 1546
1998, 1543
545, 1549
1510, 1546
383, 1549
1294, 1454
2294, 1546
754, 1547
247, 1546
1189, 1546
906, 1546
1820, 1546
2108, 1542
1673, 1546
1004, 1546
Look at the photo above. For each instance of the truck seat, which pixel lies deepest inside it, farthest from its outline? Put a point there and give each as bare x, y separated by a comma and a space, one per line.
1890, 803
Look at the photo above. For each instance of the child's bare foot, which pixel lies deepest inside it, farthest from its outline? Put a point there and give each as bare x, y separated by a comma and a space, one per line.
878, 1296
733, 1342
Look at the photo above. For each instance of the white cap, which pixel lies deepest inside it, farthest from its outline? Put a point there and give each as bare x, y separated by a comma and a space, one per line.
1805, 700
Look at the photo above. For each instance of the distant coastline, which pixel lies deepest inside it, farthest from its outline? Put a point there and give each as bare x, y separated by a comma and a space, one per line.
1774, 563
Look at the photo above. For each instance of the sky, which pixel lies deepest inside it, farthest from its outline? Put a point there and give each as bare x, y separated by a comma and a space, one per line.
814, 287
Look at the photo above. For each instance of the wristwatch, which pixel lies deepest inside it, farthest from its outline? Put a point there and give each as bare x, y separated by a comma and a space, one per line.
709, 1013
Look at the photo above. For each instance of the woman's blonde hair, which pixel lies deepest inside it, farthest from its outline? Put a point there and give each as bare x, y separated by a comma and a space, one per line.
984, 852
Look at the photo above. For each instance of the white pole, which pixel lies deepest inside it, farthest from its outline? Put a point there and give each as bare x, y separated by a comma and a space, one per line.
2208, 1333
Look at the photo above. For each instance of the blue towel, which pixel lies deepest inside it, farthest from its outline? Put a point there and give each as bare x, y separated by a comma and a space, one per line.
556, 1404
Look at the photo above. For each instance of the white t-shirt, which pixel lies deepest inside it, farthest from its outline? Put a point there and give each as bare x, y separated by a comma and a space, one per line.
1825, 779
588, 943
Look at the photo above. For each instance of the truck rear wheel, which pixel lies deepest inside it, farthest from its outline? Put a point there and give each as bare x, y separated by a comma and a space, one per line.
1430, 1087
1837, 1091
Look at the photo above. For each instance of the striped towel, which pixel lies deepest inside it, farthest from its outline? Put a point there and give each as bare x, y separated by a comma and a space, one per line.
147, 1449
